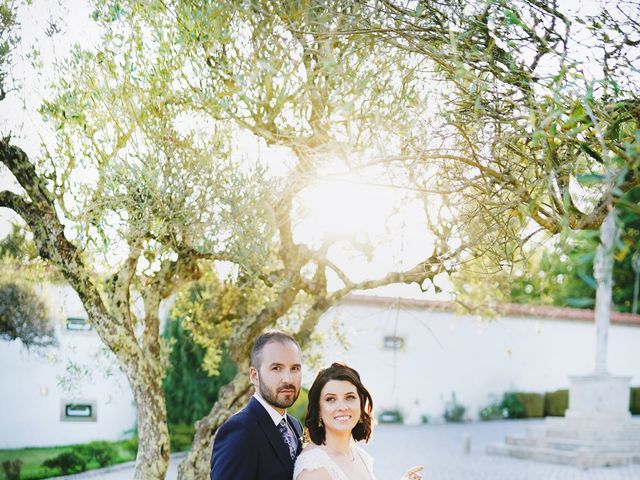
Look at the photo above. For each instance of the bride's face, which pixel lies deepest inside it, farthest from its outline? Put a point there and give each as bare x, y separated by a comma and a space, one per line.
339, 405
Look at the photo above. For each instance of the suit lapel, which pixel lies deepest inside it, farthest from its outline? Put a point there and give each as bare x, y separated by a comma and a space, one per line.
272, 433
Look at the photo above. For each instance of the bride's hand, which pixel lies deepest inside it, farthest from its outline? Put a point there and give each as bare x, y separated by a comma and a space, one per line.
414, 473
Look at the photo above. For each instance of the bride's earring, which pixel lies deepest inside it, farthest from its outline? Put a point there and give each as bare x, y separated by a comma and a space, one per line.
320, 424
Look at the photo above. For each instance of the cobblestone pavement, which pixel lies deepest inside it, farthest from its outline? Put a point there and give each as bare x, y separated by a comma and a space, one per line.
440, 448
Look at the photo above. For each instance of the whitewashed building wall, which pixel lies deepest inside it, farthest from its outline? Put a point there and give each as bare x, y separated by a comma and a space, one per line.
444, 353
37, 387
441, 353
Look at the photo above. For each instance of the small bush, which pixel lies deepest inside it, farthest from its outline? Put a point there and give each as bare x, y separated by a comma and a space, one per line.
533, 404
11, 469
454, 411
511, 405
103, 453
181, 437
634, 401
67, 462
131, 445
556, 403
493, 411
391, 416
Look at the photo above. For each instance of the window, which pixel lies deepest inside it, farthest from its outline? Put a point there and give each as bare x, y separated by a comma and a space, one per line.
392, 342
77, 324
78, 411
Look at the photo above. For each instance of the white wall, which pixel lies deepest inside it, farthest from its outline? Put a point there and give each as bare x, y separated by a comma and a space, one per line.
32, 385
446, 353
443, 353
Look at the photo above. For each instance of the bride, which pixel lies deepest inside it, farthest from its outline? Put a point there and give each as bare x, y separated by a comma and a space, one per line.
338, 415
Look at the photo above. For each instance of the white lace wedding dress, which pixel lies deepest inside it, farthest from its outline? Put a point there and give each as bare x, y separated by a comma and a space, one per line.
315, 458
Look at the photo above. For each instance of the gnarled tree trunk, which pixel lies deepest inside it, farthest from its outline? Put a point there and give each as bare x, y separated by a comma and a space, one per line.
233, 397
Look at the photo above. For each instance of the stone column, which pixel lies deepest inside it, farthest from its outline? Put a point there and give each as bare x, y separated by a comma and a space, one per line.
603, 273
600, 397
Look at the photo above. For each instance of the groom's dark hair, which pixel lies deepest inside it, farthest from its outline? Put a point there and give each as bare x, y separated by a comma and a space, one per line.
268, 337
338, 371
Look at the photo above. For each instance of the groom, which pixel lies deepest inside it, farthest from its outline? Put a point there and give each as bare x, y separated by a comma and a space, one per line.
262, 441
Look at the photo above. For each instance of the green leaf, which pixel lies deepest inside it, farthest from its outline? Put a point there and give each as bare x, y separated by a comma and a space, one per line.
588, 279
590, 179
583, 302
513, 18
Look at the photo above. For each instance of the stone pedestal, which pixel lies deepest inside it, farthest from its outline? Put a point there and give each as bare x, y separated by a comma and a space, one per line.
597, 429
598, 398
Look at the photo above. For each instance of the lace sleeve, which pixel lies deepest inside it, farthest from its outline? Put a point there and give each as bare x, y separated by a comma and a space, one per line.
314, 459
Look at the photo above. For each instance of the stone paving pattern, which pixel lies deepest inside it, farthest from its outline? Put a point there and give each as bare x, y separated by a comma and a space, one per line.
440, 448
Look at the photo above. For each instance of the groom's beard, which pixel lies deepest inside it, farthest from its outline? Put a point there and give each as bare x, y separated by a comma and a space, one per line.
277, 398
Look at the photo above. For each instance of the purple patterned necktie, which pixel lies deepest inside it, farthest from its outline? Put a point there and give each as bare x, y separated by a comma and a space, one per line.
288, 437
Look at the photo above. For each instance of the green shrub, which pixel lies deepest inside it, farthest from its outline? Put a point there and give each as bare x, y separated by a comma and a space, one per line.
11, 469
634, 401
181, 437
556, 403
100, 452
299, 409
493, 411
454, 411
67, 462
189, 390
511, 405
391, 416
131, 445
533, 404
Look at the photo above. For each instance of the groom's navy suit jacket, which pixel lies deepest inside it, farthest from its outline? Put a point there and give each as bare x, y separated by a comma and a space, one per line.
248, 446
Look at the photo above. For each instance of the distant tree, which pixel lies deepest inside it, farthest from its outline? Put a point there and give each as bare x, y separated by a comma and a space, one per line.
189, 389
24, 316
17, 247
562, 274
8, 40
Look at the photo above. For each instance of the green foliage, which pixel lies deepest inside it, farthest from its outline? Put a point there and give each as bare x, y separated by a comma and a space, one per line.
190, 392
33, 458
391, 416
11, 469
493, 411
556, 403
562, 274
8, 39
532, 404
17, 246
299, 409
634, 401
130, 446
454, 411
511, 404
67, 462
181, 436
23, 315
101, 452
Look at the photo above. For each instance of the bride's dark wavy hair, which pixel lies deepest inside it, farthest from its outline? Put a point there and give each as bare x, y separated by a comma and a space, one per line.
338, 371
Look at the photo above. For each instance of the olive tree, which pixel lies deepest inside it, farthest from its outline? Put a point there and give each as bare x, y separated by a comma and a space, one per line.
536, 129
143, 192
